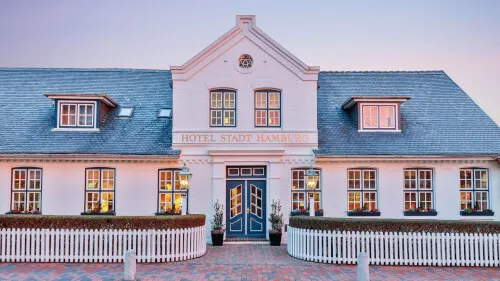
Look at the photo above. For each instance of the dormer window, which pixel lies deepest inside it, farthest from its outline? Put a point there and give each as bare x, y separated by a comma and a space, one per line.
376, 114
82, 112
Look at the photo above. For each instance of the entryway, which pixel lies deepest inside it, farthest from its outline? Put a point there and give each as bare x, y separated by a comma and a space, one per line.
246, 201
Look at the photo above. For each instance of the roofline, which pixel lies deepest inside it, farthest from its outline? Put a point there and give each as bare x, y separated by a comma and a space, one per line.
430, 156
82, 69
87, 156
355, 99
83, 96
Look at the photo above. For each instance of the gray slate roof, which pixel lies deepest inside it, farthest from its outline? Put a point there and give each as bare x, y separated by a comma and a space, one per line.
27, 116
439, 119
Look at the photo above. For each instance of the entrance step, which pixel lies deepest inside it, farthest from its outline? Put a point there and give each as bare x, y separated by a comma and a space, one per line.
246, 240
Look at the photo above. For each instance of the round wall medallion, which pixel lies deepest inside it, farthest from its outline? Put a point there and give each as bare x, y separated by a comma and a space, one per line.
245, 61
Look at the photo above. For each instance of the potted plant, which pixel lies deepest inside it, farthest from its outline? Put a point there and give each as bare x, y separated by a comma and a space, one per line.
318, 213
276, 220
218, 224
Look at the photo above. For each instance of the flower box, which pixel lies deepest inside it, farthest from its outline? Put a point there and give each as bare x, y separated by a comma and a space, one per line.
299, 213
318, 213
363, 214
23, 213
420, 213
167, 214
477, 214
98, 214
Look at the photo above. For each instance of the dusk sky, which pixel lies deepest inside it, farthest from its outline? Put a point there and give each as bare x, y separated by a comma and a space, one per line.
459, 37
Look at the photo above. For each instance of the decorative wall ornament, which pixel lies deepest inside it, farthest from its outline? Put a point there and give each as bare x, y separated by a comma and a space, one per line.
245, 61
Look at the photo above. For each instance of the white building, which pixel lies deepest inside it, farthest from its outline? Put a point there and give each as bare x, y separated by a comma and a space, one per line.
248, 118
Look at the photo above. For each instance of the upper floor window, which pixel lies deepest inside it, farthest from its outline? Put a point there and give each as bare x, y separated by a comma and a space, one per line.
418, 189
474, 189
77, 115
378, 117
222, 108
268, 108
170, 192
100, 190
300, 192
26, 190
362, 189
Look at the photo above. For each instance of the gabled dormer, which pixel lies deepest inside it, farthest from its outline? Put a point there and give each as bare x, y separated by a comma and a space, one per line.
376, 113
81, 112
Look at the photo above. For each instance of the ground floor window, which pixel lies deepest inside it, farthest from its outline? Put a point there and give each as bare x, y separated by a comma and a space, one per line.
362, 189
170, 192
418, 189
474, 189
300, 192
100, 190
26, 190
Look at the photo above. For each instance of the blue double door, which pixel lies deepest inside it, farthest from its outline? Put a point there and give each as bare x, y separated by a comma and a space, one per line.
246, 206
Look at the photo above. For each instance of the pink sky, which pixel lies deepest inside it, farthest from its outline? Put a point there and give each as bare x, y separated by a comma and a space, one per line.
459, 37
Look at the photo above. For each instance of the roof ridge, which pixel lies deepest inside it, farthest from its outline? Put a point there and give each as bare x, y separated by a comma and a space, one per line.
82, 69
383, 71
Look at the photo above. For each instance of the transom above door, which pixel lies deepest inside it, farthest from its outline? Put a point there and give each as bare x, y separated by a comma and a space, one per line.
246, 201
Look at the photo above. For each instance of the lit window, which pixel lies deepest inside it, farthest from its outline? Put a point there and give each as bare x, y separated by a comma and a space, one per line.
100, 190
77, 115
474, 189
300, 192
126, 111
222, 108
165, 113
362, 189
267, 109
170, 191
378, 117
26, 190
418, 189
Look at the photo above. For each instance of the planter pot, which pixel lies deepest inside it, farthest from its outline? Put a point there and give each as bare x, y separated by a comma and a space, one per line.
318, 213
294, 214
275, 239
420, 214
217, 239
477, 214
363, 214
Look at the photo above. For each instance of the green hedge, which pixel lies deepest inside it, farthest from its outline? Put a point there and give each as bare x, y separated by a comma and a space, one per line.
100, 222
382, 225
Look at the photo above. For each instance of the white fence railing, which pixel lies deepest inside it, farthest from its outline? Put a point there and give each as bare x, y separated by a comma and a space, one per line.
103, 245
394, 248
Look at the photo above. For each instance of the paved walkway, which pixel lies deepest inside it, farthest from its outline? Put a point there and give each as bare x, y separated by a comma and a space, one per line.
239, 263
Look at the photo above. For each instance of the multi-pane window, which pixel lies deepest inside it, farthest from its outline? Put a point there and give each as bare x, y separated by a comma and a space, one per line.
378, 117
418, 189
169, 191
267, 109
222, 108
100, 190
76, 114
26, 189
362, 189
474, 189
300, 192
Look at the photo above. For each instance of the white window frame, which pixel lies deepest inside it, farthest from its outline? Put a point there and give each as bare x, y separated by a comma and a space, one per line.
265, 112
417, 190
362, 189
304, 190
378, 128
77, 104
27, 190
473, 189
175, 191
100, 190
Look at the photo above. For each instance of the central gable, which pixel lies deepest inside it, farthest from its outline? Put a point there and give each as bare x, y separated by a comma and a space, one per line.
245, 31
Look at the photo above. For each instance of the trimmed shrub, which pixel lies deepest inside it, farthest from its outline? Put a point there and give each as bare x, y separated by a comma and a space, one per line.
383, 225
100, 222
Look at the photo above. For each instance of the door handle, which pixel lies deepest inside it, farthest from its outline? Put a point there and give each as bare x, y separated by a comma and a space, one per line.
248, 211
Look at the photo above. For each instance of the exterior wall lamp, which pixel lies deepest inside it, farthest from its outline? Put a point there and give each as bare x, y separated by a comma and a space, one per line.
184, 180
311, 178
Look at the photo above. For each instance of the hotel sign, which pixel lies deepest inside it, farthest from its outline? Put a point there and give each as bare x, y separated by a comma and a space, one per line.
245, 138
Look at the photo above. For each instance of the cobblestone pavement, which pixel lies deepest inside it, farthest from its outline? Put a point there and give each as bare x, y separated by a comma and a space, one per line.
239, 263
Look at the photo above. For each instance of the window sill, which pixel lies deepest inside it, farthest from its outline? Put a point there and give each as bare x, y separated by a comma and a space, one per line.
167, 214
363, 214
97, 214
477, 214
16, 213
420, 214
379, 131
75, 130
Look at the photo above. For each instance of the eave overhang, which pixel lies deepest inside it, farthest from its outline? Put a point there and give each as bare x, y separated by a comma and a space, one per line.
374, 99
101, 97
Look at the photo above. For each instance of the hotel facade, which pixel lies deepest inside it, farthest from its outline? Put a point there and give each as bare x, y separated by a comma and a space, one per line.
248, 119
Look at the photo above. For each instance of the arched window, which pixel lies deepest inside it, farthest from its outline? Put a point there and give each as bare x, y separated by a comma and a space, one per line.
222, 108
267, 108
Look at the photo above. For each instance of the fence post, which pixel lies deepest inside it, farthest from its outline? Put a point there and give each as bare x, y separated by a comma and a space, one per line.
363, 270
129, 272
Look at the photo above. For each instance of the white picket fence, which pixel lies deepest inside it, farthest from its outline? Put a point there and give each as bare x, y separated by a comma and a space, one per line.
103, 245
394, 248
